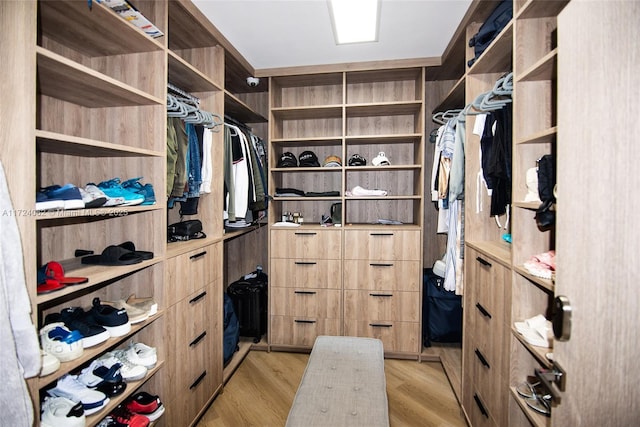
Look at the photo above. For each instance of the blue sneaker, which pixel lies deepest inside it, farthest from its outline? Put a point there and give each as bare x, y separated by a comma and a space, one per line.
113, 188
145, 190
44, 203
69, 194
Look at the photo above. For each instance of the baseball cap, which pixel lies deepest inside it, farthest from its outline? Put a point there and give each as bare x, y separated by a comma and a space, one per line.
332, 161
308, 158
287, 160
357, 160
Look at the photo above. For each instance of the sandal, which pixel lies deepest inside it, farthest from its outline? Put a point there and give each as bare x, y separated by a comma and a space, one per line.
113, 256
131, 247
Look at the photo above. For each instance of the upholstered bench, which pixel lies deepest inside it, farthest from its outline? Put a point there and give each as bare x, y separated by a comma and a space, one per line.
342, 385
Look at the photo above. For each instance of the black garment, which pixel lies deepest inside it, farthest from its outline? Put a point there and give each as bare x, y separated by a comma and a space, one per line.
499, 161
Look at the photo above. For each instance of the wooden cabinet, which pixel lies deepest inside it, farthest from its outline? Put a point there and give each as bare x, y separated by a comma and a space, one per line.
305, 285
374, 270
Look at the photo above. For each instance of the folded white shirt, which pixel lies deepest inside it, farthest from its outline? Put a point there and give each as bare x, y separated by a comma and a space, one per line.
359, 191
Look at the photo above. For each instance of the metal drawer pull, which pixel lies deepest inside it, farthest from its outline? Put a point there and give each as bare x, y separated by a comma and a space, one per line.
480, 405
198, 255
305, 292
305, 263
483, 310
200, 378
304, 321
198, 339
305, 234
380, 264
380, 295
380, 325
480, 356
483, 261
380, 234
198, 297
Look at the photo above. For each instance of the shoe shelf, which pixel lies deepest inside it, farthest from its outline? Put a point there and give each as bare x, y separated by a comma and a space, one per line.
96, 32
58, 143
98, 276
539, 353
93, 352
545, 284
63, 79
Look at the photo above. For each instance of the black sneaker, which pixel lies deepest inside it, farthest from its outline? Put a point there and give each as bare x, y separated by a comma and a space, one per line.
115, 320
75, 318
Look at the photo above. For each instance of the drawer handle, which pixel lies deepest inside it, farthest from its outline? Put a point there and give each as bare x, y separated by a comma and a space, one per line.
304, 321
380, 295
483, 310
480, 357
380, 325
305, 292
198, 255
483, 261
480, 405
300, 233
200, 378
198, 297
198, 339
305, 263
380, 234
380, 264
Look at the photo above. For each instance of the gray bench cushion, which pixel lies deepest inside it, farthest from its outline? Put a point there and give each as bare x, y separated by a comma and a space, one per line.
342, 385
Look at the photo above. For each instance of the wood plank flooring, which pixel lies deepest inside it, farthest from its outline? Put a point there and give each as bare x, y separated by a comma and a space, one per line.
261, 391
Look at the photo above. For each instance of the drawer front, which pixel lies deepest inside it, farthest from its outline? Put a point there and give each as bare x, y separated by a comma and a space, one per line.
490, 282
476, 408
486, 376
301, 331
383, 275
383, 245
298, 273
400, 337
306, 244
190, 400
190, 271
382, 305
323, 303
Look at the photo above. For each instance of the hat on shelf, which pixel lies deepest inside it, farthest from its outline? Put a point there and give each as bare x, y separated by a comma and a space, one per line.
380, 160
308, 158
332, 161
287, 160
357, 160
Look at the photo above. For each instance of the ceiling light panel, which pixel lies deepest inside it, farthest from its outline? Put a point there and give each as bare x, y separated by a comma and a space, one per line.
354, 21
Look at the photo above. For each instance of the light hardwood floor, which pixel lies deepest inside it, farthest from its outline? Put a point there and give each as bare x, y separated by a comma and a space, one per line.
261, 391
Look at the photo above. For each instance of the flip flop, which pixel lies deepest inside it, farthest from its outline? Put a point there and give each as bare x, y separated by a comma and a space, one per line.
54, 270
46, 285
113, 256
131, 247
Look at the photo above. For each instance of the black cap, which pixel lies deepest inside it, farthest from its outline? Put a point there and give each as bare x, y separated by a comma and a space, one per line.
308, 158
287, 160
357, 160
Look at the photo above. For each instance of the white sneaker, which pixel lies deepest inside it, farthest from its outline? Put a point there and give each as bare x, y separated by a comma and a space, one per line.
50, 364
92, 196
68, 386
110, 201
136, 315
142, 354
57, 340
129, 370
61, 412
147, 304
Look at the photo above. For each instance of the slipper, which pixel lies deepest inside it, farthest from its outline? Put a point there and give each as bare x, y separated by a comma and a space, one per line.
131, 247
536, 330
45, 284
53, 270
113, 255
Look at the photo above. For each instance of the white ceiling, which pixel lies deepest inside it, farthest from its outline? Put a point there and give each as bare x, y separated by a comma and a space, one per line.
289, 33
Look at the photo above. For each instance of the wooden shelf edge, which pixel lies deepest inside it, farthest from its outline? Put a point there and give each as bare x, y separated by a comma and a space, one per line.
545, 284
539, 353
453, 99
544, 69
187, 77
53, 142
538, 9
499, 251
497, 57
545, 136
